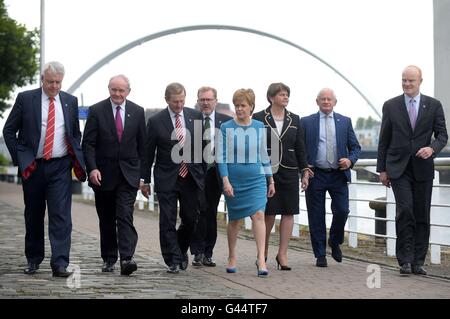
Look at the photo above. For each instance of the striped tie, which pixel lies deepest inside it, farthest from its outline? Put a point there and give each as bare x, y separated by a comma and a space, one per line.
50, 132
179, 130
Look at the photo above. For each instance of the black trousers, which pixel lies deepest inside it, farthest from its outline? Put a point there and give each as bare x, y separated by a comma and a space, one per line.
115, 212
205, 235
174, 243
49, 185
412, 219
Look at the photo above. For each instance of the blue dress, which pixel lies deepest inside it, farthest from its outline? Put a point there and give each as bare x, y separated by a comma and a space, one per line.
242, 156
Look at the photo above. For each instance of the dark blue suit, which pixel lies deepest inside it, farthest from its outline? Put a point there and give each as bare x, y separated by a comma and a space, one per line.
45, 182
333, 181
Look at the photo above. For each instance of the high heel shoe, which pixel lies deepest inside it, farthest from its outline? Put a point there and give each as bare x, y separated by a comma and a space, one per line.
280, 266
261, 272
231, 270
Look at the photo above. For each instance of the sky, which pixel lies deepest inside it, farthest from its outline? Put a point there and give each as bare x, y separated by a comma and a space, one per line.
369, 42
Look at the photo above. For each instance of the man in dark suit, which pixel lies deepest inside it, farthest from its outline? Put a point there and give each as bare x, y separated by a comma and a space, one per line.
46, 149
405, 161
205, 234
113, 146
332, 149
175, 135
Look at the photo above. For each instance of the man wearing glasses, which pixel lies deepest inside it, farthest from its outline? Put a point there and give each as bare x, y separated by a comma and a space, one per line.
205, 234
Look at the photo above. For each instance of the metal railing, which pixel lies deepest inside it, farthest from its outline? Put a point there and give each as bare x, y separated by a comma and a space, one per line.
438, 238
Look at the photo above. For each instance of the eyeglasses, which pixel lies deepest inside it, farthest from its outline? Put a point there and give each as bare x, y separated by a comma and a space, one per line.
206, 100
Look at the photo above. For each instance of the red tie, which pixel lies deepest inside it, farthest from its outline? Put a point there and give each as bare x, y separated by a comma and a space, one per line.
119, 125
179, 130
50, 132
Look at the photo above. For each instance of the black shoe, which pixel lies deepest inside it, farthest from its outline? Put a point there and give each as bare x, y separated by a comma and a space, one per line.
31, 269
208, 262
127, 267
108, 266
185, 262
62, 272
405, 269
418, 270
173, 269
197, 260
321, 261
336, 252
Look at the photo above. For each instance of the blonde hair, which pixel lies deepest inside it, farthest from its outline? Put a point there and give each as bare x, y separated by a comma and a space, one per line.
246, 95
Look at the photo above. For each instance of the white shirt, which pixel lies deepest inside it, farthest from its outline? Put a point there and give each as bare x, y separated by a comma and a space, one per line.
173, 118
279, 125
122, 111
59, 141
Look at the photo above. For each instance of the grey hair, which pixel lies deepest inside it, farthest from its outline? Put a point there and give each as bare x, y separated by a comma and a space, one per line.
123, 77
54, 67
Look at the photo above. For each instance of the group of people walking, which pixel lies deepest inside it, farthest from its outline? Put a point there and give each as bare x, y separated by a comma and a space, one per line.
258, 161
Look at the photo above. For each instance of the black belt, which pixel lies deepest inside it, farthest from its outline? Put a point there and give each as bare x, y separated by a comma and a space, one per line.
327, 170
40, 160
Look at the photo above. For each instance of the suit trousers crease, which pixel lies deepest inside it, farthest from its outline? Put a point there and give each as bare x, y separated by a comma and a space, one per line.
412, 220
115, 210
49, 185
174, 243
336, 184
205, 234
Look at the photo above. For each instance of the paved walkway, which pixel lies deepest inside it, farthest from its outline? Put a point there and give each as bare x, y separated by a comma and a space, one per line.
349, 279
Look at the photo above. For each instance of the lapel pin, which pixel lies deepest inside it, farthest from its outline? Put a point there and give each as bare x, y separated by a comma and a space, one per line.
128, 115
424, 106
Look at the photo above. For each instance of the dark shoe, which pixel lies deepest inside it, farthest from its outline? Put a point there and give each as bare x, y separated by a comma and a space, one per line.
197, 260
127, 267
418, 270
108, 267
336, 252
405, 269
31, 269
62, 272
280, 266
185, 262
208, 262
261, 272
173, 269
231, 270
321, 261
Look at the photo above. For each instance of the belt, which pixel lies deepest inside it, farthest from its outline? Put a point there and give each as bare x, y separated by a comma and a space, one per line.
40, 160
327, 170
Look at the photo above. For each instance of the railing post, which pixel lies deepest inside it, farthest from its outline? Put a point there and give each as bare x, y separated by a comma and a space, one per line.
151, 198
248, 223
435, 232
390, 224
296, 228
353, 221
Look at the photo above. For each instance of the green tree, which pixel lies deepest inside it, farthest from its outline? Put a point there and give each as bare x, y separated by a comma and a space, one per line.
19, 49
360, 123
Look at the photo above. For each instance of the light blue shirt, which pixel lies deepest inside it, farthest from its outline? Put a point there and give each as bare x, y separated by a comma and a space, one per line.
321, 158
416, 104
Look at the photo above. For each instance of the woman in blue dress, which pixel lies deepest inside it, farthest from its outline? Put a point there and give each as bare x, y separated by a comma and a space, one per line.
247, 175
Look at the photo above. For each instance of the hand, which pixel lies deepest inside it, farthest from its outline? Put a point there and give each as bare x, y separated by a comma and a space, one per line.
384, 179
308, 172
145, 189
344, 163
424, 152
95, 177
228, 189
271, 190
305, 183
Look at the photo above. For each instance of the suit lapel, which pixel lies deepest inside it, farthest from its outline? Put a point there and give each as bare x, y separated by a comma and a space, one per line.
404, 111
269, 120
129, 118
65, 110
423, 108
109, 117
167, 121
338, 128
37, 109
286, 124
317, 135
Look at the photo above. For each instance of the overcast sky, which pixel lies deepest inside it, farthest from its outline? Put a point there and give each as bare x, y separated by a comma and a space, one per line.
369, 42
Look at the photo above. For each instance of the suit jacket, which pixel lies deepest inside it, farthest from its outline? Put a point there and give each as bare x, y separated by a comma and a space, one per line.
160, 131
291, 143
398, 143
102, 149
26, 118
347, 144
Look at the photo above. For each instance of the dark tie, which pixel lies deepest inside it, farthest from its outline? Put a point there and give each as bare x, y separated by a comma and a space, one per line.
179, 130
119, 124
50, 132
412, 113
208, 149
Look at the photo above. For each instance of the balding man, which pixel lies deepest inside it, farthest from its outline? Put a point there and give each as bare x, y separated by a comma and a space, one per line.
405, 161
113, 146
332, 149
